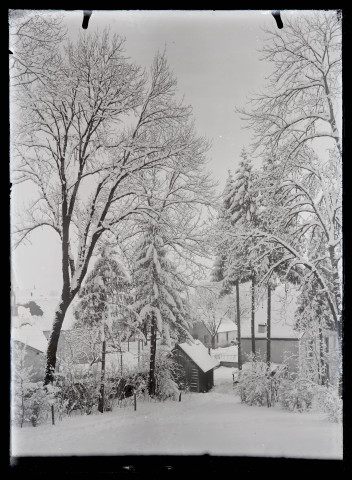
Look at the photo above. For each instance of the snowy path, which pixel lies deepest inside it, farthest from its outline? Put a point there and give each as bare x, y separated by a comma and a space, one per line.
215, 423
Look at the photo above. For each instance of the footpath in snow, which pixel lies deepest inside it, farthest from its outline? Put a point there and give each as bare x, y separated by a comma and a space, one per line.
216, 423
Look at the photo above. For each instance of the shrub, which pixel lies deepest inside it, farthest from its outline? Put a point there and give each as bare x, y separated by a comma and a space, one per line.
37, 402
167, 375
327, 400
296, 394
258, 385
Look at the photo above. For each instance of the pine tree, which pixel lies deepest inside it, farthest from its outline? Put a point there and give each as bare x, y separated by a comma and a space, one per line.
105, 307
158, 289
242, 202
218, 272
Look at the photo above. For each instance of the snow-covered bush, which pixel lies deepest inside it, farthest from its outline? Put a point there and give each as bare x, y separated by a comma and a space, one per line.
30, 400
296, 394
38, 401
327, 400
167, 372
258, 384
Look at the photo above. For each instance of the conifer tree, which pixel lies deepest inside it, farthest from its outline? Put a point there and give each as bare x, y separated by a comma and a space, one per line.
158, 289
105, 308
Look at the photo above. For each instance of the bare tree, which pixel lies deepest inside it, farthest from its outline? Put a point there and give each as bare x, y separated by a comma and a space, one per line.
296, 130
69, 145
209, 308
302, 100
35, 37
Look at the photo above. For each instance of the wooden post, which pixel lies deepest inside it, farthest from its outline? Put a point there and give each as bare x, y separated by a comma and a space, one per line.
179, 397
135, 400
239, 351
52, 415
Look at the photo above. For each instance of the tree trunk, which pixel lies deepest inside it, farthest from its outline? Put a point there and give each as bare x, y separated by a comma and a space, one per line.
338, 322
145, 332
322, 356
253, 316
239, 361
54, 337
139, 350
213, 341
151, 388
268, 329
102, 379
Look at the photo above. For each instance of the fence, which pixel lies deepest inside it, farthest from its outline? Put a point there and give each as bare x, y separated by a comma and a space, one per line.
226, 360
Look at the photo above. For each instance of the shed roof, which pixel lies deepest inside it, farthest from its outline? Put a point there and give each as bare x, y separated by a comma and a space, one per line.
198, 353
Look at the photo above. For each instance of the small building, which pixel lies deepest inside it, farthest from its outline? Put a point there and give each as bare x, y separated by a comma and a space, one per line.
225, 336
26, 335
282, 349
198, 365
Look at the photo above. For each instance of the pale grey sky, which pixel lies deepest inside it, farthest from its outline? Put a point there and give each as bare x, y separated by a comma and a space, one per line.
215, 58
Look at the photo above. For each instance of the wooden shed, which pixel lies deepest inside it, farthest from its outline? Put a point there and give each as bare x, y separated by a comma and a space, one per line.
198, 365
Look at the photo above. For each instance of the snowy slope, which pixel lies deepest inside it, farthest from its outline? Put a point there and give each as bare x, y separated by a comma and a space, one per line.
216, 423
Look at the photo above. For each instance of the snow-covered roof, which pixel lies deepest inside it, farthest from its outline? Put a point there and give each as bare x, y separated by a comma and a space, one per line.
283, 306
48, 302
25, 330
227, 327
200, 356
30, 335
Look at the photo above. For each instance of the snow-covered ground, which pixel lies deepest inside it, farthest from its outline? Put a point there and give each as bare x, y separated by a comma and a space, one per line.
215, 422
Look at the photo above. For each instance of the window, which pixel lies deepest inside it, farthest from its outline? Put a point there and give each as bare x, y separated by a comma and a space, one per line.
262, 328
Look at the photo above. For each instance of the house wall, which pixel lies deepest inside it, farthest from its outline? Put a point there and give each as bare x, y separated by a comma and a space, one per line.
281, 349
35, 359
200, 332
222, 339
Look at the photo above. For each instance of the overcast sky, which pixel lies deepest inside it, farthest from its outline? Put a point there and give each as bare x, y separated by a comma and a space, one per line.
215, 58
